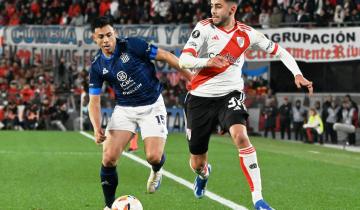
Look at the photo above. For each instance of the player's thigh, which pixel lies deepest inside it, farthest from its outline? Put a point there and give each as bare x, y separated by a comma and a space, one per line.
152, 121
154, 147
233, 116
200, 122
113, 146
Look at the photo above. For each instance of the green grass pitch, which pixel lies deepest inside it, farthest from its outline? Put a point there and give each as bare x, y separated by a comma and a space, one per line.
60, 170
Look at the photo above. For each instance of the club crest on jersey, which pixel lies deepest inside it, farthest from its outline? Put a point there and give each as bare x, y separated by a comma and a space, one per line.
124, 57
240, 41
121, 76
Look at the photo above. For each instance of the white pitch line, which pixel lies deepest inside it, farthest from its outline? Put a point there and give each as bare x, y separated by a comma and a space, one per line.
315, 152
180, 180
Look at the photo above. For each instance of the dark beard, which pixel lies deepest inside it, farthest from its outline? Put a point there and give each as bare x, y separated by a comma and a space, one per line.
220, 24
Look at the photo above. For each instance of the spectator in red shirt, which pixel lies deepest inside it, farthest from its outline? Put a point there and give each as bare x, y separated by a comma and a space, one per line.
27, 94
104, 7
74, 9
14, 19
3, 69
10, 9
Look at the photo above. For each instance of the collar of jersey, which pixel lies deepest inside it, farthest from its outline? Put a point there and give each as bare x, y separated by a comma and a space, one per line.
228, 32
112, 55
105, 57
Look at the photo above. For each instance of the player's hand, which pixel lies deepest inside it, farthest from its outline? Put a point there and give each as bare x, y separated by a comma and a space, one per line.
218, 62
99, 136
302, 81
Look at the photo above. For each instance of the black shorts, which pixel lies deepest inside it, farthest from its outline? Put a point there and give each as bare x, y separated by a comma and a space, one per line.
203, 114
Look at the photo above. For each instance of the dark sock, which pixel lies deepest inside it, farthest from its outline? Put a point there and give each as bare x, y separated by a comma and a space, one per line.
109, 182
157, 167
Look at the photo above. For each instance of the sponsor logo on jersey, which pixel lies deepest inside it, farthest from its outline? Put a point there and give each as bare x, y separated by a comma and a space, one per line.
127, 83
240, 41
228, 57
105, 71
195, 34
124, 57
121, 76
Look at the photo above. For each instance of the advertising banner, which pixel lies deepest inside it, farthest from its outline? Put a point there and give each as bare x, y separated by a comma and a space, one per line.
50, 43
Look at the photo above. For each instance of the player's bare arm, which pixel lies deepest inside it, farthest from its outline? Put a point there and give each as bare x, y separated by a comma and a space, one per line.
95, 117
173, 61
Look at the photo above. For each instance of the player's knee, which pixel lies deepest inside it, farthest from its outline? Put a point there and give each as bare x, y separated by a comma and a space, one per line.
241, 139
109, 160
197, 164
153, 158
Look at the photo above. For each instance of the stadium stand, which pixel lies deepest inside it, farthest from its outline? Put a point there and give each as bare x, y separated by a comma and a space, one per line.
253, 12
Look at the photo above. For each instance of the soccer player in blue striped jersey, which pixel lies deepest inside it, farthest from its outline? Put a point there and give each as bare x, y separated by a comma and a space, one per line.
127, 65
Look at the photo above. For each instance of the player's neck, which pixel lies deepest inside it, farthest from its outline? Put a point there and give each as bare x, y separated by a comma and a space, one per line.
228, 26
109, 53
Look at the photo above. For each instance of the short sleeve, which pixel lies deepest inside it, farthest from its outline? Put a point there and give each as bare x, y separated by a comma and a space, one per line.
196, 40
96, 81
142, 48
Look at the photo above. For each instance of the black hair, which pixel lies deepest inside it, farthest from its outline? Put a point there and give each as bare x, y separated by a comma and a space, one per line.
234, 1
100, 22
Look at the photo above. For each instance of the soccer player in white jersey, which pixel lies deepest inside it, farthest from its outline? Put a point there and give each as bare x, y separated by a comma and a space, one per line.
215, 51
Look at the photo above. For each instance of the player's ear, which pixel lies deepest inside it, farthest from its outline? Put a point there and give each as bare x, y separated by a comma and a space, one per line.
233, 9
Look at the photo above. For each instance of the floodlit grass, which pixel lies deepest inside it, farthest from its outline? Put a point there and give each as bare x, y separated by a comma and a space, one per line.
60, 170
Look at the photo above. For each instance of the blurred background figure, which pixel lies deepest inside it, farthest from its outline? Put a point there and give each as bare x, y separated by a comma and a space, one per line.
331, 119
346, 116
285, 112
298, 115
270, 112
314, 127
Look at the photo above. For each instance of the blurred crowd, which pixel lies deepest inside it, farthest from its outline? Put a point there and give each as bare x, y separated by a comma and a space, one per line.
39, 96
264, 13
310, 123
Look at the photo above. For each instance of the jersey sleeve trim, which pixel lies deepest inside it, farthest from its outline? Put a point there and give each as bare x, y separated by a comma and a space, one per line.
190, 50
94, 91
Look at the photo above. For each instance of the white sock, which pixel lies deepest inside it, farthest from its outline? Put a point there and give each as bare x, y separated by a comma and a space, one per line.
251, 170
203, 172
